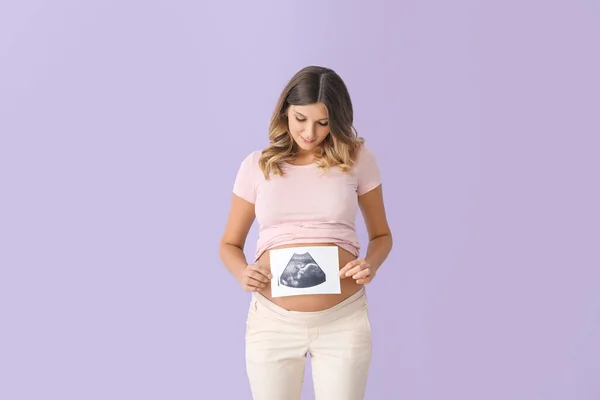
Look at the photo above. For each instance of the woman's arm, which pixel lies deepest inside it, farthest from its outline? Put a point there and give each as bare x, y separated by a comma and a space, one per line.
363, 270
380, 235
252, 277
231, 248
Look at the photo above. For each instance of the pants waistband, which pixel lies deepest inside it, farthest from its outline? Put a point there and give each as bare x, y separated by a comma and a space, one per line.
310, 318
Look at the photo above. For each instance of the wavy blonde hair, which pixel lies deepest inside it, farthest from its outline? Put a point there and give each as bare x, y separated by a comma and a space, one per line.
311, 85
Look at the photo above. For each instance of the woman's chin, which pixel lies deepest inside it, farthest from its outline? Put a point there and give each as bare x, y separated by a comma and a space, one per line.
306, 146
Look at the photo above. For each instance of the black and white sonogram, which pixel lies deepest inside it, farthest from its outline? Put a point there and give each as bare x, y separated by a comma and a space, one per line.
305, 270
302, 272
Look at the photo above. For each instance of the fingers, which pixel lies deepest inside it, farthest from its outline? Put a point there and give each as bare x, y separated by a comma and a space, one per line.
364, 281
255, 277
362, 274
251, 284
358, 269
353, 267
348, 267
259, 272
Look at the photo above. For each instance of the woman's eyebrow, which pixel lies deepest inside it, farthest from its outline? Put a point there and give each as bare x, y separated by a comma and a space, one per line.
302, 115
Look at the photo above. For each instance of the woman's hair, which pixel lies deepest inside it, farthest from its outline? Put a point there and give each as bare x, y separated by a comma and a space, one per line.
310, 85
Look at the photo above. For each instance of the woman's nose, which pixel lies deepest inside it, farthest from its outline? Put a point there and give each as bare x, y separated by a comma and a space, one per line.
309, 132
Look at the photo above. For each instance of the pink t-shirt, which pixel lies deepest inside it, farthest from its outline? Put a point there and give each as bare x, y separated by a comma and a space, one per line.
307, 205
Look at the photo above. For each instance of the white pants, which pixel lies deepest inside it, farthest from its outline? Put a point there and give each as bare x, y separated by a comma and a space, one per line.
338, 340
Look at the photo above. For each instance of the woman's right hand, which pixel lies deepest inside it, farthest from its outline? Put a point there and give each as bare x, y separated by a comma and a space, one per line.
255, 277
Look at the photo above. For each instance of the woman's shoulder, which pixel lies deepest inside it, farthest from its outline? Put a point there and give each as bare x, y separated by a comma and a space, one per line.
251, 158
367, 170
364, 154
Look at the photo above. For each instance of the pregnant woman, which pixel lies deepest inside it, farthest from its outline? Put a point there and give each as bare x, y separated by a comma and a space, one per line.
305, 189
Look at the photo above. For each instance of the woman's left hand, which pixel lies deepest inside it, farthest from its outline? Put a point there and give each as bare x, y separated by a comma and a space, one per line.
358, 269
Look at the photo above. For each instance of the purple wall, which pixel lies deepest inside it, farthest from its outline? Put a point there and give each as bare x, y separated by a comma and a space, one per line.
123, 123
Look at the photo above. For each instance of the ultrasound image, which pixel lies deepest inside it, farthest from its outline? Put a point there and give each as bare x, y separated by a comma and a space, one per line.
302, 272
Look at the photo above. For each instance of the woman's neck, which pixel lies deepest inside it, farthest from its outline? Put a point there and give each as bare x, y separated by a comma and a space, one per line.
304, 158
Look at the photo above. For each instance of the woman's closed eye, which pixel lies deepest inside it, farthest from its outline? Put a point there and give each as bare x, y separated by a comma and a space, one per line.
304, 120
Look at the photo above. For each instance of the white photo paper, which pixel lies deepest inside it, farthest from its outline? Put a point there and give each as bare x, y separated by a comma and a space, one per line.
304, 270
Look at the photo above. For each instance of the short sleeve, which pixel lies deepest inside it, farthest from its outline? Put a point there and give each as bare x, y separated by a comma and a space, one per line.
367, 171
244, 184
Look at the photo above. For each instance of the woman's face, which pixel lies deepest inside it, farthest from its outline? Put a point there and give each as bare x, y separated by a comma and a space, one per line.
308, 125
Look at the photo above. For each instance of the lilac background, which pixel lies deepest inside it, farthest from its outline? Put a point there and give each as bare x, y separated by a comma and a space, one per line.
123, 123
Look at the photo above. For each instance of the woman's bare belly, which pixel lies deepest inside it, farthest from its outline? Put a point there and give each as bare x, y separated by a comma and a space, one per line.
312, 302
